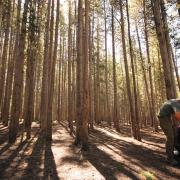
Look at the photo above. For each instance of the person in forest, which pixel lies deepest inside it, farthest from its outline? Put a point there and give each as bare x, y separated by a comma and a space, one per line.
169, 119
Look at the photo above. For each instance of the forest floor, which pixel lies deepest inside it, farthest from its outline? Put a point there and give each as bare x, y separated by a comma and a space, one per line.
111, 156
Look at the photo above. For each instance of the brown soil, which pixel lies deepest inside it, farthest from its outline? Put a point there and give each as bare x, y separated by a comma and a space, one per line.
111, 156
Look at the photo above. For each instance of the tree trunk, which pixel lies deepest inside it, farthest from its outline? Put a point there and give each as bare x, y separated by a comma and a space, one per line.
91, 92
132, 113
82, 75
154, 119
5, 50
144, 75
115, 118
69, 69
79, 73
39, 56
96, 81
59, 84
44, 91
30, 72
9, 79
52, 74
166, 32
136, 108
85, 113
163, 44
18, 79
106, 68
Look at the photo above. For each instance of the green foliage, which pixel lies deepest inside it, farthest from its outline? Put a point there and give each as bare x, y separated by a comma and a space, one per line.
120, 167
148, 175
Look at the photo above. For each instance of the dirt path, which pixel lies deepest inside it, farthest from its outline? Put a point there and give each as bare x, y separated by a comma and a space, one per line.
111, 156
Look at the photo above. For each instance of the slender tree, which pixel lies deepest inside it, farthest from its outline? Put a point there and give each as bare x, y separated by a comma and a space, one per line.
44, 91
134, 124
18, 78
30, 72
115, 118
9, 78
5, 50
70, 68
154, 120
162, 36
97, 78
106, 67
136, 109
52, 75
82, 75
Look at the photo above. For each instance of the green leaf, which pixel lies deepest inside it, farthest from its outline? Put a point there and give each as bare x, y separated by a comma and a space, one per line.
148, 175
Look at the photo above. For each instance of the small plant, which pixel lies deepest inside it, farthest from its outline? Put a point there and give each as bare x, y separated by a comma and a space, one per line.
147, 175
120, 167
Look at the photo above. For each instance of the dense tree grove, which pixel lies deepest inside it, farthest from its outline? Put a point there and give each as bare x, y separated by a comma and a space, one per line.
87, 62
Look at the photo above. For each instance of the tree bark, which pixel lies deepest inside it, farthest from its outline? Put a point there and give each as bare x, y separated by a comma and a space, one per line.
69, 69
18, 79
82, 76
106, 67
96, 81
52, 74
9, 79
5, 51
44, 91
163, 44
79, 73
134, 125
115, 118
154, 119
144, 75
30, 72
136, 108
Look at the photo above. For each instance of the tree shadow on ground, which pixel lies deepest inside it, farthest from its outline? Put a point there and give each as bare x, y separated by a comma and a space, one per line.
4, 145
12, 156
41, 163
107, 166
149, 137
147, 133
32, 159
125, 130
134, 154
50, 171
65, 125
3, 134
5, 163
